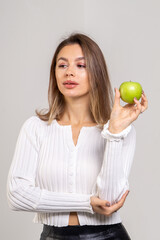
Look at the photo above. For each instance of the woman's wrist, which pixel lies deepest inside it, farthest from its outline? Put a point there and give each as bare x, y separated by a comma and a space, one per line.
114, 130
114, 127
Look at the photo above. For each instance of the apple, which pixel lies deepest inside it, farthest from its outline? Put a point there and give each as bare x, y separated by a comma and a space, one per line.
130, 90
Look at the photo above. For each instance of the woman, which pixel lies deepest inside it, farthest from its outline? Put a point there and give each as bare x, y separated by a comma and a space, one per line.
71, 164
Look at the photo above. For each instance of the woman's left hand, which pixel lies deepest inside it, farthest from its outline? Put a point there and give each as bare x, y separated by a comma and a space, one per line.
122, 117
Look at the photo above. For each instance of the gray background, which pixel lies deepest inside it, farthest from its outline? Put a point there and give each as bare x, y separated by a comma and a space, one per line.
129, 35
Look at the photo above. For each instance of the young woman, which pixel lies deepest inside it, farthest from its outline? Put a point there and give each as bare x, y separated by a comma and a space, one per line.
72, 162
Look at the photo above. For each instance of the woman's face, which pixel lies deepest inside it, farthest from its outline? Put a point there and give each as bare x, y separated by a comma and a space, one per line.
71, 66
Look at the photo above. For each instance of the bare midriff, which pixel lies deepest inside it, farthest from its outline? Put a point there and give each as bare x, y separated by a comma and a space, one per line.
73, 219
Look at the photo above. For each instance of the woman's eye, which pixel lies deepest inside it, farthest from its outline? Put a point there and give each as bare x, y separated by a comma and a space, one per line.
62, 66
81, 66
78, 65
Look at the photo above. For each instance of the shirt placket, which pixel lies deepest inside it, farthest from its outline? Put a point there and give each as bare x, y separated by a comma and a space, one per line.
72, 171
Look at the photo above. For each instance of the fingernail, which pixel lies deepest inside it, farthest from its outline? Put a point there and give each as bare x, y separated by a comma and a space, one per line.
135, 98
128, 193
115, 89
107, 204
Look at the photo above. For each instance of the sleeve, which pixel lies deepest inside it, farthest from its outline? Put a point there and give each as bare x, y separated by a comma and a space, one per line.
22, 193
112, 181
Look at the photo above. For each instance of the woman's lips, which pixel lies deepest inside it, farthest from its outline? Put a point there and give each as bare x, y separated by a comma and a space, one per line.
70, 85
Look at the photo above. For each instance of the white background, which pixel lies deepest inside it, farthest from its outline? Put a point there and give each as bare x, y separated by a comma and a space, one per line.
128, 33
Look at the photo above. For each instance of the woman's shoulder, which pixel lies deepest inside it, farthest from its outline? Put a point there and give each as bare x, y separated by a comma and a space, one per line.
34, 120
34, 125
31, 121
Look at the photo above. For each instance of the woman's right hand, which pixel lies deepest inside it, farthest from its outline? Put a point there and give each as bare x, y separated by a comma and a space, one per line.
99, 205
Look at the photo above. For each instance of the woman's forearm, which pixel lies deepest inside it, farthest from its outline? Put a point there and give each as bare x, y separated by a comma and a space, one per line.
112, 181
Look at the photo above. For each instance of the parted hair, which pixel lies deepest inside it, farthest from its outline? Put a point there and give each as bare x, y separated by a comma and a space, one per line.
100, 93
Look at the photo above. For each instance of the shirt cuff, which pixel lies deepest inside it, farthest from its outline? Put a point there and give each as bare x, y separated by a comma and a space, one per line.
114, 136
90, 206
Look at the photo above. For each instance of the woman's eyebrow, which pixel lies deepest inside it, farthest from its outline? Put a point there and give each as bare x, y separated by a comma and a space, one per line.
65, 59
80, 58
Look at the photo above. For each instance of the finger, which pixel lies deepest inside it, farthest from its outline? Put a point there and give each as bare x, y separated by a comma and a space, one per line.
100, 210
143, 96
125, 195
143, 93
144, 101
138, 107
117, 97
120, 203
100, 202
123, 198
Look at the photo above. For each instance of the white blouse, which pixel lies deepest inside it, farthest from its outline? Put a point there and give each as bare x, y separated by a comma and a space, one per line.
52, 177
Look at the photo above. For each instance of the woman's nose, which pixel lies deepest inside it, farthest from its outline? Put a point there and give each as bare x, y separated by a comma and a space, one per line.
70, 72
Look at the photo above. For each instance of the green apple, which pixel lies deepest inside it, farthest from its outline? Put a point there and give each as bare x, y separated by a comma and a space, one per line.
130, 90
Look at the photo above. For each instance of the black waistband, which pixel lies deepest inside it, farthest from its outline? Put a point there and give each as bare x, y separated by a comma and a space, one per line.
80, 229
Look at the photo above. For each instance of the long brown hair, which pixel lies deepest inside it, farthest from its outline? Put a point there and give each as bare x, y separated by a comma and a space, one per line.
100, 94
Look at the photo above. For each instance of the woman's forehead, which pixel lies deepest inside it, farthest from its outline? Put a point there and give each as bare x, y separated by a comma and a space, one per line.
73, 51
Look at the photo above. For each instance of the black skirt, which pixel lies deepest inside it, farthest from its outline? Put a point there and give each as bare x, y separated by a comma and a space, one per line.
99, 232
